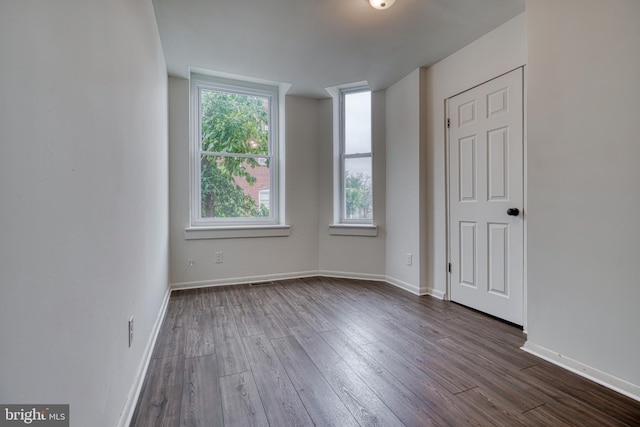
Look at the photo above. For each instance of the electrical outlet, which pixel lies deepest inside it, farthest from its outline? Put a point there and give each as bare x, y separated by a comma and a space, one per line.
409, 258
219, 257
130, 331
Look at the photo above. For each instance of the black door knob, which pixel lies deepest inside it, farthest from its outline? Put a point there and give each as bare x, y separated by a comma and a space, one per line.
513, 211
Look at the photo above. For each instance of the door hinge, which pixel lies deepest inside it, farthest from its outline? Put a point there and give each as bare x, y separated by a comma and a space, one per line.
448, 123
449, 268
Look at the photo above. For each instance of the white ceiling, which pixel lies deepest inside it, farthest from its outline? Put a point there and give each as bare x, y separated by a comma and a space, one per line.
314, 44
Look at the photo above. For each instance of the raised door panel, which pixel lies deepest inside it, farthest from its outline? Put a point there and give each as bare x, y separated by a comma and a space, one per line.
467, 173
498, 164
498, 262
468, 254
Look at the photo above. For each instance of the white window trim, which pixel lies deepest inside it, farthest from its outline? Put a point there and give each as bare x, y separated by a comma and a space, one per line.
341, 218
370, 230
236, 232
227, 225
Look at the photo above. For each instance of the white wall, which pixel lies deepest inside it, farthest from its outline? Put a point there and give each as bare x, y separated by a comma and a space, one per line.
497, 52
415, 193
584, 238
246, 258
84, 208
356, 256
403, 182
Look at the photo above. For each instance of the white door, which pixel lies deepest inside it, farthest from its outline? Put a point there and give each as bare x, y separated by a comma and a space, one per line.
486, 197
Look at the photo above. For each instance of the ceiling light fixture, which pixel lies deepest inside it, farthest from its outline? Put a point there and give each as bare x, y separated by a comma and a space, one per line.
382, 4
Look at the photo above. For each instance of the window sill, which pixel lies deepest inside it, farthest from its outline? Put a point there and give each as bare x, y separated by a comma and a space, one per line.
236, 232
369, 230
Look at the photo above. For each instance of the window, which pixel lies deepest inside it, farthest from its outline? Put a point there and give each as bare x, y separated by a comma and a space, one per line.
356, 184
234, 153
264, 198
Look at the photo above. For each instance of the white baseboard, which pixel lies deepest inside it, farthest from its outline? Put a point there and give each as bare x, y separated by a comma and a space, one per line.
302, 274
349, 275
414, 289
586, 371
434, 293
403, 285
280, 276
134, 393
243, 280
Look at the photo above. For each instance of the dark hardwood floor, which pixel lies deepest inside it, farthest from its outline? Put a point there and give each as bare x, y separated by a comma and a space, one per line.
336, 352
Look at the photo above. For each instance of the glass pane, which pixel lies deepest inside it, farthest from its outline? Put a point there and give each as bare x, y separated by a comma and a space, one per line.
234, 123
231, 187
357, 122
357, 188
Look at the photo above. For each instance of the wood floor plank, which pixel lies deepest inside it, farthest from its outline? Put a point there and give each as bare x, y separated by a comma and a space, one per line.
216, 296
498, 351
260, 299
328, 289
258, 294
160, 404
481, 337
367, 408
546, 415
199, 339
282, 309
572, 392
241, 402
330, 351
425, 387
418, 322
172, 335
229, 350
358, 334
177, 305
322, 403
489, 325
403, 402
498, 381
247, 319
281, 402
201, 398
309, 312
428, 308
422, 354
271, 323
492, 413
196, 299
237, 295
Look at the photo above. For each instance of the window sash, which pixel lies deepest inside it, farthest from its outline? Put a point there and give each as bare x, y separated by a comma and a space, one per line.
198, 85
344, 157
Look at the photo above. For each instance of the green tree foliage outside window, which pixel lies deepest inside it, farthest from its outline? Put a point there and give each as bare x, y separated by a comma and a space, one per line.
357, 193
235, 141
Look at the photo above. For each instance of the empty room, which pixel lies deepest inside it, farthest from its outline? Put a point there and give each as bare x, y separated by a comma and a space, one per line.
319, 212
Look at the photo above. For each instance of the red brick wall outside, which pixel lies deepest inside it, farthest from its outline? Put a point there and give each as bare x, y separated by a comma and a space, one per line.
261, 173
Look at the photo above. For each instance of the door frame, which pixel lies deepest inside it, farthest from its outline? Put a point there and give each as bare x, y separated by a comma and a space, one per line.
447, 157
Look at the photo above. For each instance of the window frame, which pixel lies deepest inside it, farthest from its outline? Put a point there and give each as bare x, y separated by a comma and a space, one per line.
343, 92
199, 83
